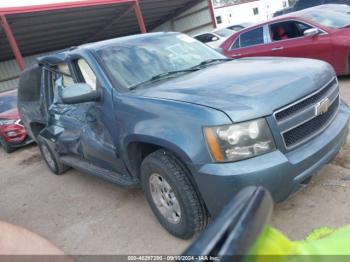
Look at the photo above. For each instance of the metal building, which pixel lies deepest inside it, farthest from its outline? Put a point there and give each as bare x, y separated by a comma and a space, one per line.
30, 30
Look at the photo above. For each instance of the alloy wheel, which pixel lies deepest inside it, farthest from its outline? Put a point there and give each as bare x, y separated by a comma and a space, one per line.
164, 198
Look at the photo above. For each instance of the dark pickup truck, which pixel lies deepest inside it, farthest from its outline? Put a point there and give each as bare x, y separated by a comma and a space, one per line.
191, 127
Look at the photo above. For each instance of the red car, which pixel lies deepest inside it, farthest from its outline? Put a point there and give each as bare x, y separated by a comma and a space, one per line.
12, 132
312, 33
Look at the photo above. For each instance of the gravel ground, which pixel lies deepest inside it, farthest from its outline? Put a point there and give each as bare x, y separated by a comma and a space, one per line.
82, 214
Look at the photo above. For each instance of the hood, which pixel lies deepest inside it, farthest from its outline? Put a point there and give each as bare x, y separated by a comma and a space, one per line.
10, 114
246, 88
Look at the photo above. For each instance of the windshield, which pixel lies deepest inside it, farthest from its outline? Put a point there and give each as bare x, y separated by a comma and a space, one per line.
7, 103
130, 64
330, 19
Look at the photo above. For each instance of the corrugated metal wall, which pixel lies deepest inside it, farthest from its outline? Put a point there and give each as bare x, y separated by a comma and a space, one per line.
9, 73
193, 21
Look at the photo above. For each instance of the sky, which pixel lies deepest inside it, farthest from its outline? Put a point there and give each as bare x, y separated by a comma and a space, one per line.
15, 3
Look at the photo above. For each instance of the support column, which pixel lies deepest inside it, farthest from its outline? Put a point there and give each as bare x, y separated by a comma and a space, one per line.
212, 13
139, 17
13, 43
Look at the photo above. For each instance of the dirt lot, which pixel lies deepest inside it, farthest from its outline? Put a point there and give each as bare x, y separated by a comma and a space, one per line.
85, 215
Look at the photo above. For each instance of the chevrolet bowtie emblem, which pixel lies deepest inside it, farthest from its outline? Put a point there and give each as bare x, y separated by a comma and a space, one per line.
322, 106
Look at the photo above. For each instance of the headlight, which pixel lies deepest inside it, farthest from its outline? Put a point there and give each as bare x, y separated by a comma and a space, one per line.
6, 122
239, 141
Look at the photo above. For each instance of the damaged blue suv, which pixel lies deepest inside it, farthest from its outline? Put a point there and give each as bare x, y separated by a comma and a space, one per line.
191, 127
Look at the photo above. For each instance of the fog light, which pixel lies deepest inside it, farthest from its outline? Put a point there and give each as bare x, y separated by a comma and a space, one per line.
12, 134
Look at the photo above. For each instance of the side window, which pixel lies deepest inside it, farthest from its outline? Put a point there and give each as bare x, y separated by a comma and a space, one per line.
58, 77
287, 30
29, 84
303, 27
66, 76
61, 77
253, 37
87, 74
236, 44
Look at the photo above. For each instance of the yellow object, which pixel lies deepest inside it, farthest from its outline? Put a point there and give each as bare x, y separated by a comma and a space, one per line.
321, 245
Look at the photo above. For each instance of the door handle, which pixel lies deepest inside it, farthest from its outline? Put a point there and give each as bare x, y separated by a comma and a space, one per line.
236, 55
277, 48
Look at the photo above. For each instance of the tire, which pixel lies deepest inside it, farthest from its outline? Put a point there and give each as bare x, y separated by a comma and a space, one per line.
162, 170
51, 158
7, 148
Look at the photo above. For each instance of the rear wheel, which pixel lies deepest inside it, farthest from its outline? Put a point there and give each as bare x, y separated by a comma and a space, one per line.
7, 148
51, 158
171, 195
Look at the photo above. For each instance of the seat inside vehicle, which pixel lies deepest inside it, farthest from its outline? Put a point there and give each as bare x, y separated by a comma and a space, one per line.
287, 30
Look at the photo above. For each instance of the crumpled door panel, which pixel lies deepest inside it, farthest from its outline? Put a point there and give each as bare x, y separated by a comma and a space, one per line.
72, 119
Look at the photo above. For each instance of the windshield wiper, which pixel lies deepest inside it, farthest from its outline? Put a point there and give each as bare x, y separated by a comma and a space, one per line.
212, 61
163, 76
172, 73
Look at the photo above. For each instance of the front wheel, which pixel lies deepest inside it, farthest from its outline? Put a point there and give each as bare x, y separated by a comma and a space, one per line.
171, 195
51, 158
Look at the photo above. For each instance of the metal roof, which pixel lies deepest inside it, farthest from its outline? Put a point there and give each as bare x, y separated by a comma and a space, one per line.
44, 28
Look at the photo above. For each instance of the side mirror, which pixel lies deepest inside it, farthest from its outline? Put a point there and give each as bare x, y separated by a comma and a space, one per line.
79, 93
214, 38
311, 32
236, 229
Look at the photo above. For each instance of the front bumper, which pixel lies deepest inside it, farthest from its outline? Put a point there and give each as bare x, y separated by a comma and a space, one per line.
24, 142
281, 173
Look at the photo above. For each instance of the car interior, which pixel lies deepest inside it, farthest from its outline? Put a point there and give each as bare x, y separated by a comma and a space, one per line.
287, 30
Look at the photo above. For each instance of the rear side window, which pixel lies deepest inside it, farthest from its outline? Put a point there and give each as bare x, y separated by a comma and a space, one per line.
29, 84
253, 37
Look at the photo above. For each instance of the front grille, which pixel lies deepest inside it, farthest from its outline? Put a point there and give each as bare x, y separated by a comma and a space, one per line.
299, 107
300, 121
311, 128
